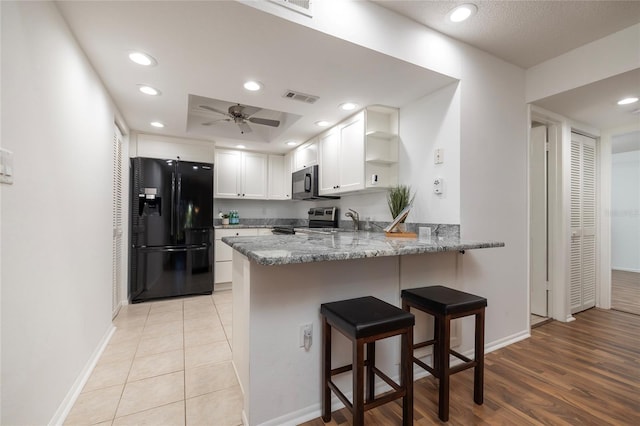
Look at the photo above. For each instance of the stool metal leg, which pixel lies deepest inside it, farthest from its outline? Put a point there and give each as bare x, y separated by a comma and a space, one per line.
358, 382
444, 342
326, 370
478, 371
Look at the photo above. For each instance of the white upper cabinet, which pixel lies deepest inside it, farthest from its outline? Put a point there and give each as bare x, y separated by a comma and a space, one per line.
279, 175
329, 147
306, 155
240, 175
352, 154
227, 174
342, 157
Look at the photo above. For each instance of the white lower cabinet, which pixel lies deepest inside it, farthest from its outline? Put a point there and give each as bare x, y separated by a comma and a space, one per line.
223, 253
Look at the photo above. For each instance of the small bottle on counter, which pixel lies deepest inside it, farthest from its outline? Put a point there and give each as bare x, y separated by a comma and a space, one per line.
234, 219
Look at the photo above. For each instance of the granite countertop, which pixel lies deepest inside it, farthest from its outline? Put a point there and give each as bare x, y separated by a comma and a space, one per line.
306, 248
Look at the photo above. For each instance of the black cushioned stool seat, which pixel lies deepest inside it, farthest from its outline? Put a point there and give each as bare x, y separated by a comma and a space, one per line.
364, 321
445, 304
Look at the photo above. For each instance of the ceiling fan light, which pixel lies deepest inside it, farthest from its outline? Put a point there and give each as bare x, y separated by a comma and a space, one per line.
627, 101
462, 12
253, 86
143, 59
148, 90
348, 106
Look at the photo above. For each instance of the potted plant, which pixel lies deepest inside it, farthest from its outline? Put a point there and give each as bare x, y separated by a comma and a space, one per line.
224, 217
398, 198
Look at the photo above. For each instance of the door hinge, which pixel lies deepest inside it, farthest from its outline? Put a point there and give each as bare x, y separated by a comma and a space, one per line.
546, 146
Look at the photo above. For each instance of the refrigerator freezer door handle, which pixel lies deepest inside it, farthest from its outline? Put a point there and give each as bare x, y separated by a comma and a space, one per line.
177, 206
173, 199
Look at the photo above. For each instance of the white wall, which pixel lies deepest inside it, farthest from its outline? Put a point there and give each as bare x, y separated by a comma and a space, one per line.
56, 217
156, 146
430, 123
493, 146
625, 211
603, 58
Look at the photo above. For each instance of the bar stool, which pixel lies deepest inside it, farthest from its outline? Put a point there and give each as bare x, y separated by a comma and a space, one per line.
445, 304
364, 321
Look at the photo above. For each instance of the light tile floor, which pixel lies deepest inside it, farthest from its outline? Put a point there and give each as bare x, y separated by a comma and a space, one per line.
168, 363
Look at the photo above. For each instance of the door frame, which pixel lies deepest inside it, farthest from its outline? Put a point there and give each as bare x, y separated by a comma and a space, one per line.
538, 219
603, 243
557, 296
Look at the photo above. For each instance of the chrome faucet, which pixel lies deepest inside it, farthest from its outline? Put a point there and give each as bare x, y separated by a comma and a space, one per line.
355, 217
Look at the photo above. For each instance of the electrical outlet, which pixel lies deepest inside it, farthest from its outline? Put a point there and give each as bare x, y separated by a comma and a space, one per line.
305, 329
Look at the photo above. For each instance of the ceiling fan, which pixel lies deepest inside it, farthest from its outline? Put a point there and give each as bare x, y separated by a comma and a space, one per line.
241, 115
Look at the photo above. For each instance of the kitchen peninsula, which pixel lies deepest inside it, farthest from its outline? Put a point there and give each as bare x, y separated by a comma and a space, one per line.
279, 283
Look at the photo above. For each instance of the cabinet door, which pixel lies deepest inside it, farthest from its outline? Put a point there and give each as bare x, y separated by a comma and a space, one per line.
306, 155
227, 174
276, 178
254, 175
329, 180
288, 170
352, 154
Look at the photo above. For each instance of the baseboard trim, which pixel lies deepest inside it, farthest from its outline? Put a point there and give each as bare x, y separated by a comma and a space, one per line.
221, 287
67, 403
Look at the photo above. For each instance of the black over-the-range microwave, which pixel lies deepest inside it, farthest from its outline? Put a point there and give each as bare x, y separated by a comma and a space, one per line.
304, 185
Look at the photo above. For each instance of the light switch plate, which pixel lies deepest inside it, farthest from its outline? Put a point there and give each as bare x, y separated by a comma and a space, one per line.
438, 157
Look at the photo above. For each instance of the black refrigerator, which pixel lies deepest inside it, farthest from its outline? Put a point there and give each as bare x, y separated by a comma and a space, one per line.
171, 228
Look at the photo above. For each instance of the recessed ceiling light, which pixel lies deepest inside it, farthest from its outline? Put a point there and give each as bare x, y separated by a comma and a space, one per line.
462, 12
240, 146
322, 123
253, 86
148, 90
157, 124
348, 106
292, 143
142, 59
627, 101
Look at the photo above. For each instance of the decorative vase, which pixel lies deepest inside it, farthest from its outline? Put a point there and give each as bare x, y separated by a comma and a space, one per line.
401, 227
225, 221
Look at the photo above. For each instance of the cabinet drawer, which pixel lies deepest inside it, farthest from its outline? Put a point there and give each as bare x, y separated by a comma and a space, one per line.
239, 232
222, 251
223, 272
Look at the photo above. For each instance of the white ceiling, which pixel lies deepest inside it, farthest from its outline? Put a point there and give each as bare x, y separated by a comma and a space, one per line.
209, 49
524, 33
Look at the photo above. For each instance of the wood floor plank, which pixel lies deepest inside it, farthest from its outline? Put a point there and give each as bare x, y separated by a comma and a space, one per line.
585, 372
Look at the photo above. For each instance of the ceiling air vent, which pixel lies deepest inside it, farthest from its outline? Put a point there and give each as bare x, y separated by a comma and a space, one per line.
297, 96
300, 6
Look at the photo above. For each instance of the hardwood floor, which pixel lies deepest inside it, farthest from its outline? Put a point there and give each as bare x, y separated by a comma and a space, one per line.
586, 372
625, 291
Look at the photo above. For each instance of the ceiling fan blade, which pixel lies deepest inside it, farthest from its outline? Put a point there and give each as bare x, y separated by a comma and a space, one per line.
213, 109
264, 121
244, 128
209, 123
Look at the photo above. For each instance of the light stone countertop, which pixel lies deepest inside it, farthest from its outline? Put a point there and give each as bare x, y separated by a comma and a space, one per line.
306, 248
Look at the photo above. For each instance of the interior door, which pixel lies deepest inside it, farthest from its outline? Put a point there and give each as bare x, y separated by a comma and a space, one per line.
582, 291
539, 235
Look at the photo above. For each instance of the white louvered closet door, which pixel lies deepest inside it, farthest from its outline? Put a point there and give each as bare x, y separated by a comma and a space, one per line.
117, 249
583, 223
